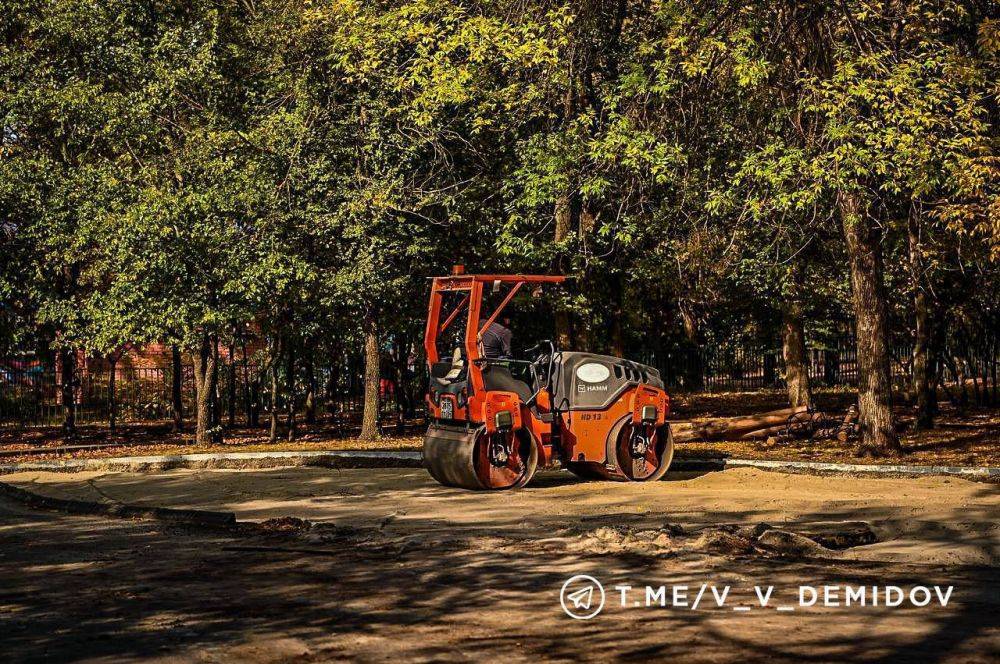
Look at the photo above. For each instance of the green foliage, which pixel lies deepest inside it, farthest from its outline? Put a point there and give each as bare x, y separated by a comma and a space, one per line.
170, 170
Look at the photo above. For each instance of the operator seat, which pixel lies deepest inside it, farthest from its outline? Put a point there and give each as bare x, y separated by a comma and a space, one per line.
455, 372
499, 377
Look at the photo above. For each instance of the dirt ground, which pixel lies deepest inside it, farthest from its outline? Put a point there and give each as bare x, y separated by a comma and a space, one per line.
390, 566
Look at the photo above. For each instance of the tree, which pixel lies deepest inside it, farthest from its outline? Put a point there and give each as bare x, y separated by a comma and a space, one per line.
71, 108
405, 87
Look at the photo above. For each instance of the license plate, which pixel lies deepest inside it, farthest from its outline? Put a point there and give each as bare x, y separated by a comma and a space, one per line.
447, 409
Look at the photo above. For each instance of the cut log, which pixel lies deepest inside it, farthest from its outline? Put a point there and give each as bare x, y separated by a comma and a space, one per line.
759, 434
849, 427
725, 427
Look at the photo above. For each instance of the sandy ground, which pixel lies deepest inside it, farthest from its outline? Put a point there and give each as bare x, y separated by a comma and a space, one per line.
399, 568
934, 519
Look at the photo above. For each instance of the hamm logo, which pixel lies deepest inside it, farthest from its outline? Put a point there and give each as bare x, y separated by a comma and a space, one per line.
592, 372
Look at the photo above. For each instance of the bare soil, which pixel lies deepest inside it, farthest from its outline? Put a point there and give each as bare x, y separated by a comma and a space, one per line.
384, 565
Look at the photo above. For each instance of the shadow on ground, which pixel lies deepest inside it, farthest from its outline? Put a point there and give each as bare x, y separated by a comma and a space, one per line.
75, 588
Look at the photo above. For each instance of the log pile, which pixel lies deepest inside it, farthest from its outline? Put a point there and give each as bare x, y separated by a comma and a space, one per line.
775, 426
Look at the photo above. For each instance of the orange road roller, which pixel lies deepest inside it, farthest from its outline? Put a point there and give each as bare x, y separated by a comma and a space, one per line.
493, 421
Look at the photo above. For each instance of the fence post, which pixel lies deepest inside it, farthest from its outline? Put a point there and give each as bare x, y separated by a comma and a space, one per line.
831, 367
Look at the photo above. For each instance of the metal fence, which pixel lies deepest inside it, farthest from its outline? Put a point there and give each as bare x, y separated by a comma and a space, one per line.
736, 368
33, 396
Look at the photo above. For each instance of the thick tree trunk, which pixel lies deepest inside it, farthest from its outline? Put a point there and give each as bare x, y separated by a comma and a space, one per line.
176, 396
727, 427
689, 320
204, 369
67, 369
958, 368
369, 420
935, 365
921, 335
581, 336
793, 350
878, 434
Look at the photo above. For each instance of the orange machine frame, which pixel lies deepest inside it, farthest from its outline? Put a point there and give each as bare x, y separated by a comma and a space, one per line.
480, 403
583, 433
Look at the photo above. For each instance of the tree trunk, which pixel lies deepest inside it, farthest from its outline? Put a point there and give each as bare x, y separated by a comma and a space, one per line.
204, 369
334, 401
617, 313
993, 364
251, 391
216, 410
921, 383
689, 321
310, 369
272, 372
617, 339
290, 390
727, 427
936, 365
67, 369
231, 382
958, 368
112, 403
793, 350
404, 389
369, 420
693, 369
878, 434
564, 226
175, 389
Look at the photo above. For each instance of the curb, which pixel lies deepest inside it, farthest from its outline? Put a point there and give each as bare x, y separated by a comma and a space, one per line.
414, 459
120, 510
969, 472
227, 460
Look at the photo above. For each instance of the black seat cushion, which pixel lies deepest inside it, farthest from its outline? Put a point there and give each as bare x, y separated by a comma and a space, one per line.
497, 377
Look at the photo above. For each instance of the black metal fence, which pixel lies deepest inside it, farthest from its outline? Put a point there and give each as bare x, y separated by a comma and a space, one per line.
32, 396
736, 368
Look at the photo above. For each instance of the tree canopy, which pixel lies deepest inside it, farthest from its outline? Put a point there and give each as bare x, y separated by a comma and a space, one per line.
708, 171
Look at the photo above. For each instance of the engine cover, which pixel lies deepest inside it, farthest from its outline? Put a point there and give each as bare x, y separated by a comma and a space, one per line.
586, 381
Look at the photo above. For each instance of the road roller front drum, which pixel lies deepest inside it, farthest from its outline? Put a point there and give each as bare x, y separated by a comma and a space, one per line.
477, 459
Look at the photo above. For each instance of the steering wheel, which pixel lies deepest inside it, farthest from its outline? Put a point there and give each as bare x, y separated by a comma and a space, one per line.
542, 360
